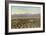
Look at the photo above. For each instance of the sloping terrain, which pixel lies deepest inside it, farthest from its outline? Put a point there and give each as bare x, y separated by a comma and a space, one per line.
25, 21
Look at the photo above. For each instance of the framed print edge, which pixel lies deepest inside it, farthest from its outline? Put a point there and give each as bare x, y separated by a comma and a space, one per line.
7, 17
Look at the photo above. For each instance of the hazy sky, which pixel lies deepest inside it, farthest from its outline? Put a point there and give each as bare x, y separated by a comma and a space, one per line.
25, 10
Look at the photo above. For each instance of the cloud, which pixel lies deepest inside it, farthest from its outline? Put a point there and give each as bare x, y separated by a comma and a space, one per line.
25, 10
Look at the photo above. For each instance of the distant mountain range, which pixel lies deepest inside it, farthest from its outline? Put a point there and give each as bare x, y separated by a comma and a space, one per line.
23, 15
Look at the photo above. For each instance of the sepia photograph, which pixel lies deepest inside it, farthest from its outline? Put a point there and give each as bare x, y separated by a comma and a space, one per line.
25, 17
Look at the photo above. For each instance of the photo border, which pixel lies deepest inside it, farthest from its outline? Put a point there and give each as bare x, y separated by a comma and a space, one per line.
25, 2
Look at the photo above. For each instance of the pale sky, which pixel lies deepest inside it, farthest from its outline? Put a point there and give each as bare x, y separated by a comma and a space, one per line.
25, 10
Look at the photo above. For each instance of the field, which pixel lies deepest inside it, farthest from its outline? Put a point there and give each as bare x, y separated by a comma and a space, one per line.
32, 21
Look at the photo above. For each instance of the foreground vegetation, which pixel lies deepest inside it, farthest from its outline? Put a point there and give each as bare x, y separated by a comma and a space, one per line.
25, 23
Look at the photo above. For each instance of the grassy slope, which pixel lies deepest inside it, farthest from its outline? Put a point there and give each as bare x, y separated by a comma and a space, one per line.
32, 21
